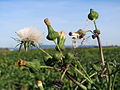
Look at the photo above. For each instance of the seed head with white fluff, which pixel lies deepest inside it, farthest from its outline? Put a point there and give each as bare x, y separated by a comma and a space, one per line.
28, 37
30, 34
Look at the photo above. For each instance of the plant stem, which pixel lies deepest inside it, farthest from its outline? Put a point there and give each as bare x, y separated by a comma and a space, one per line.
64, 72
109, 77
113, 84
83, 75
84, 70
95, 24
41, 88
100, 45
75, 81
100, 49
57, 45
58, 48
90, 77
42, 50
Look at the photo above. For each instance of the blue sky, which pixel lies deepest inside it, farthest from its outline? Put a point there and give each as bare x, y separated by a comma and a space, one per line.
67, 15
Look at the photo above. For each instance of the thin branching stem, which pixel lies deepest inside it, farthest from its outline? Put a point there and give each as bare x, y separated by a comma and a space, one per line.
100, 45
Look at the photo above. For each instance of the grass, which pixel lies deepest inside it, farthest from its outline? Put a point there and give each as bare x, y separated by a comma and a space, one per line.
13, 77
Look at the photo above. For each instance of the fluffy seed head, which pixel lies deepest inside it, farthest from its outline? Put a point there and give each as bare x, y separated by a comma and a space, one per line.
29, 34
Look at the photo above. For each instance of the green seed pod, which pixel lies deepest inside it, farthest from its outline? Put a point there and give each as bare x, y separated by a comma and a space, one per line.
97, 31
93, 15
52, 35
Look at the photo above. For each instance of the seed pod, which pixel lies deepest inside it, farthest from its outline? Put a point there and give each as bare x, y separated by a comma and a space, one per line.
97, 31
52, 35
93, 15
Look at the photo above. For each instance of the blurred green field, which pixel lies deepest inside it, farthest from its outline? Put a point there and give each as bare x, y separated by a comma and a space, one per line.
13, 77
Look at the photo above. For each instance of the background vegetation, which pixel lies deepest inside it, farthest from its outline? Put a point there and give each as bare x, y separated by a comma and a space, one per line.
13, 77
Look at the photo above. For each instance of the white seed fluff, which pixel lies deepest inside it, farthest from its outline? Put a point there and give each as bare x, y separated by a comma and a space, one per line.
30, 34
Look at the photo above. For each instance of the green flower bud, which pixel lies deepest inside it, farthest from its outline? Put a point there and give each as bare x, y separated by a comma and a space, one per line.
93, 15
69, 56
58, 56
97, 31
51, 33
61, 40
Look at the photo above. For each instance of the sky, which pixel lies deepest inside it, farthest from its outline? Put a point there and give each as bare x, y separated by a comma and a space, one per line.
67, 15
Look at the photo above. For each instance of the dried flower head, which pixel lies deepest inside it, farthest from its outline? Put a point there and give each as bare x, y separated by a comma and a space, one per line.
39, 83
21, 62
79, 34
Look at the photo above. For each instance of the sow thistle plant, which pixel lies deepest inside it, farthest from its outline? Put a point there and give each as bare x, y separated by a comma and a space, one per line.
100, 77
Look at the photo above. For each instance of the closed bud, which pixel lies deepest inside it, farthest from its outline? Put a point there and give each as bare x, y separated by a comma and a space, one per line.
52, 35
58, 56
69, 56
93, 15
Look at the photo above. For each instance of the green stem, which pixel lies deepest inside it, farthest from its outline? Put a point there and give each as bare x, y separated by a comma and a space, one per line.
90, 77
109, 77
83, 75
64, 72
100, 45
57, 45
95, 24
101, 51
42, 50
75, 81
58, 48
113, 84
46, 67
41, 88
84, 70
